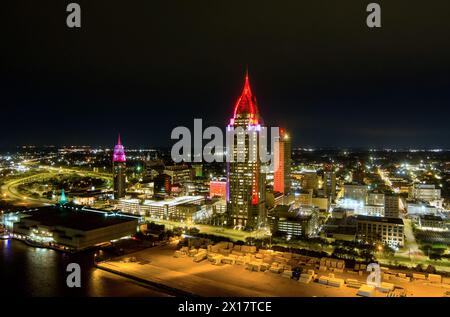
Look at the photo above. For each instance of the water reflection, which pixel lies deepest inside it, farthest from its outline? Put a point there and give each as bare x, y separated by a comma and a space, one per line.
29, 271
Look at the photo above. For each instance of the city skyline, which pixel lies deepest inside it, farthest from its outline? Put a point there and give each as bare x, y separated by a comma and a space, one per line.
225, 156
135, 138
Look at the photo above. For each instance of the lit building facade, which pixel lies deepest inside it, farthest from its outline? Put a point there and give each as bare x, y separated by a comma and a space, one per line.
119, 169
218, 189
310, 180
425, 192
389, 231
175, 209
282, 172
432, 222
71, 227
246, 191
179, 173
391, 205
355, 192
170, 209
300, 222
329, 182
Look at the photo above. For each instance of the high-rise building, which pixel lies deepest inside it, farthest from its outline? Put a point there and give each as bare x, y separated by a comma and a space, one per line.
163, 185
358, 173
282, 172
310, 180
246, 192
329, 182
391, 205
119, 168
179, 173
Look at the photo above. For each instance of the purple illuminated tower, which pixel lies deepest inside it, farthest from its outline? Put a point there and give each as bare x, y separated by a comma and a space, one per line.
119, 167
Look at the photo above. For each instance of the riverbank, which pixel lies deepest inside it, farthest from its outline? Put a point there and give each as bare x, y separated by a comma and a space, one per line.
38, 272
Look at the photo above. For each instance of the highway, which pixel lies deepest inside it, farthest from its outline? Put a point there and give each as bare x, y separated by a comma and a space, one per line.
11, 194
218, 231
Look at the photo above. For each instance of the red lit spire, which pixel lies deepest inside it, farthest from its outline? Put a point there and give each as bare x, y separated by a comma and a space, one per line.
118, 140
247, 102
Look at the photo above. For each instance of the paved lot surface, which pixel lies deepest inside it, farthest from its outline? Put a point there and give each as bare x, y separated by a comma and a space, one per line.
159, 266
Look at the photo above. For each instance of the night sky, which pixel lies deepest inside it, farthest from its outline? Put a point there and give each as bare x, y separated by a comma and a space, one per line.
143, 67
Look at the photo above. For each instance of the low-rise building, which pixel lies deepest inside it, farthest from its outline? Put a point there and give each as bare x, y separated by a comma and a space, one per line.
426, 192
298, 222
416, 208
304, 197
380, 229
71, 227
340, 228
432, 222
167, 209
179, 173
373, 210
130, 206
375, 198
355, 192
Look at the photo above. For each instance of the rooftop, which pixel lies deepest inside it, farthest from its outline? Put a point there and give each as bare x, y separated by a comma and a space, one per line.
380, 219
78, 219
431, 217
172, 202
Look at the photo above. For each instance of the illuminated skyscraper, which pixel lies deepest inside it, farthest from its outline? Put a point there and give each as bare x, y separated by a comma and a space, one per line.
282, 171
119, 167
246, 187
391, 205
329, 182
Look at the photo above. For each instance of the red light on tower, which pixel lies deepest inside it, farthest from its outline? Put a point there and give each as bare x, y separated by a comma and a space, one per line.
246, 103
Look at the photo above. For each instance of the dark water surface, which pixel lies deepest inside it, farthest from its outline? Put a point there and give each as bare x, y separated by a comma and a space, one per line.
29, 271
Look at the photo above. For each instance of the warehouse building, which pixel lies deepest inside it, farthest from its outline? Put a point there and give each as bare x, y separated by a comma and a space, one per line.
71, 227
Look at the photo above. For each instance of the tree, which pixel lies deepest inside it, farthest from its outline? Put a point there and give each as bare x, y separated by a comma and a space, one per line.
388, 252
431, 269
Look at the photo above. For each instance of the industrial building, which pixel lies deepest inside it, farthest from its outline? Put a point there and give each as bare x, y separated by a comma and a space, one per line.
71, 227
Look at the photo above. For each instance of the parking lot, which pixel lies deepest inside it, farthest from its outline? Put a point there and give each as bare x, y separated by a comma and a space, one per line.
158, 265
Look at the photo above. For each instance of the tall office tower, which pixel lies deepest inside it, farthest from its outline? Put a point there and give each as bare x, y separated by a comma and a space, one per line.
282, 172
358, 173
310, 181
329, 182
246, 185
391, 205
119, 167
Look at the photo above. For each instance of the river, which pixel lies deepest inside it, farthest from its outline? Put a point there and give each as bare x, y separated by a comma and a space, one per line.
29, 271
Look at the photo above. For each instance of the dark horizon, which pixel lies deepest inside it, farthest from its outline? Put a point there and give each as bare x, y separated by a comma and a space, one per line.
145, 68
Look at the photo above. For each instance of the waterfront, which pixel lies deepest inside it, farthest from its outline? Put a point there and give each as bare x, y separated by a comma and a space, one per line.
29, 271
